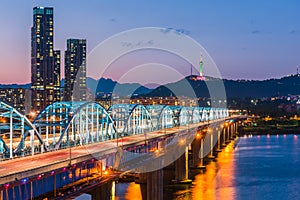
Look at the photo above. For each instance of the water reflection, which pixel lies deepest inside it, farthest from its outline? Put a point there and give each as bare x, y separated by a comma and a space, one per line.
217, 181
133, 192
265, 167
128, 191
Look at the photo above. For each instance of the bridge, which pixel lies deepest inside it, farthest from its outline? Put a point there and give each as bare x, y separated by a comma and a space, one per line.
67, 140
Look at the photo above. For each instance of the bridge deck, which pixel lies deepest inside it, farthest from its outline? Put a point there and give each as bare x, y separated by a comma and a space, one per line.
33, 165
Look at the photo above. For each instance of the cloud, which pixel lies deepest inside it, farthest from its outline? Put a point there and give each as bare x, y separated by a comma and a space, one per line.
138, 44
178, 31
256, 32
294, 31
126, 44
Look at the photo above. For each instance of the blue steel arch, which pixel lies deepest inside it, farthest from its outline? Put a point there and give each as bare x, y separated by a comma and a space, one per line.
131, 119
223, 111
201, 109
56, 119
182, 115
139, 121
161, 115
205, 114
53, 119
226, 113
176, 114
92, 119
18, 128
197, 111
120, 113
79, 123
186, 116
212, 113
220, 113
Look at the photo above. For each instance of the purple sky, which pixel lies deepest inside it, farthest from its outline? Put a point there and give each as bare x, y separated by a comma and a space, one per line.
247, 39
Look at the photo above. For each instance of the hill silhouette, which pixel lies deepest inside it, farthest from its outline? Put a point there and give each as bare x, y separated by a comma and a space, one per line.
289, 85
234, 88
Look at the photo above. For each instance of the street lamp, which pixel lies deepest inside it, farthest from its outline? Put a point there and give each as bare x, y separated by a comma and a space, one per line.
32, 114
165, 121
70, 153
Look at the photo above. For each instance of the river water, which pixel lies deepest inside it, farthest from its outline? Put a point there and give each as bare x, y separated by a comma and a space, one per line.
256, 167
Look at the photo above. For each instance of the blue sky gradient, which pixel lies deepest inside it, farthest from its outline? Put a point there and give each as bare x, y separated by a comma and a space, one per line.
247, 39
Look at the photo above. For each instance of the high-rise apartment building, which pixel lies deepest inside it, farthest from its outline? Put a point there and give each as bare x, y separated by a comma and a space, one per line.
55, 78
45, 62
17, 98
75, 70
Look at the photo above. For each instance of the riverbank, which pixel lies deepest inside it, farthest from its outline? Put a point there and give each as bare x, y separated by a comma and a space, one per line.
261, 131
271, 126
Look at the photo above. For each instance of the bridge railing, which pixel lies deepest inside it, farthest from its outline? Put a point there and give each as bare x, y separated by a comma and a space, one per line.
67, 124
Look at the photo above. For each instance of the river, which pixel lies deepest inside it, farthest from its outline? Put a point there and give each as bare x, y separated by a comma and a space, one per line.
253, 167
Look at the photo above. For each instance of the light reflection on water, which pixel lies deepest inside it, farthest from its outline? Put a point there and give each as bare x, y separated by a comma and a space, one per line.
130, 191
265, 167
217, 181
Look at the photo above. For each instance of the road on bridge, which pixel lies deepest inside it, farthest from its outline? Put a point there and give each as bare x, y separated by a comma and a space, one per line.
10, 168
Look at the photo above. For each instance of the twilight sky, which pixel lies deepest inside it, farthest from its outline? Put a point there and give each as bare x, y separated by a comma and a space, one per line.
247, 39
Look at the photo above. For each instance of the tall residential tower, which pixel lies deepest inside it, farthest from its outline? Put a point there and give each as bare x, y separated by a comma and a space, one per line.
75, 70
45, 62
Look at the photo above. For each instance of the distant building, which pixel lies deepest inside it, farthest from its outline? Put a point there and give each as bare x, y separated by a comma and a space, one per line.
106, 101
170, 101
57, 95
75, 70
17, 98
291, 108
45, 62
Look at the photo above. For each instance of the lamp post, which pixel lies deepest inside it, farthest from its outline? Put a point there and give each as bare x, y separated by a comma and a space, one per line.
165, 124
70, 153
117, 133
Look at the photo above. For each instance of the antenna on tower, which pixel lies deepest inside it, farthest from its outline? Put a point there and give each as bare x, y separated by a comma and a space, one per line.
201, 65
191, 70
297, 70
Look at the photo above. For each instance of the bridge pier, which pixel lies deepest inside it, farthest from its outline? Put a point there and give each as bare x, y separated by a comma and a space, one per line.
155, 185
228, 133
211, 135
151, 185
105, 191
142, 180
201, 165
223, 138
196, 145
236, 125
219, 140
231, 131
182, 168
230, 136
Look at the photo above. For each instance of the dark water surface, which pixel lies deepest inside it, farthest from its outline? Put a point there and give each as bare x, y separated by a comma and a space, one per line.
258, 167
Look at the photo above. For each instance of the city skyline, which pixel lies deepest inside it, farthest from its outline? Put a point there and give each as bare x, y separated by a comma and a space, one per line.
262, 42
157, 100
45, 61
75, 70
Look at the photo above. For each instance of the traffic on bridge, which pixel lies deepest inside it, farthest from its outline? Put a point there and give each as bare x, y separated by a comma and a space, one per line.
69, 124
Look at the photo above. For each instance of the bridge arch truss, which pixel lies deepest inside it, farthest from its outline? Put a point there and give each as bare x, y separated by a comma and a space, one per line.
131, 119
65, 124
18, 136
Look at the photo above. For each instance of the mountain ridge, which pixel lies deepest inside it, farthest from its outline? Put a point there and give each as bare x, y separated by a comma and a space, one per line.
234, 88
